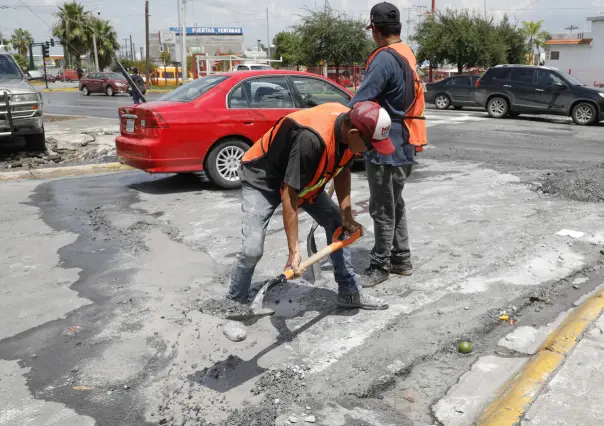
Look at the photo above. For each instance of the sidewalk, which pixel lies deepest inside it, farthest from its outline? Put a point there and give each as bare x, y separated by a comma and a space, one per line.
550, 375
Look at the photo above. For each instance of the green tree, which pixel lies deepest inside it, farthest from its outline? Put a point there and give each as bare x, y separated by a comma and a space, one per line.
331, 36
106, 41
72, 29
459, 37
535, 37
514, 39
21, 40
165, 57
287, 46
22, 61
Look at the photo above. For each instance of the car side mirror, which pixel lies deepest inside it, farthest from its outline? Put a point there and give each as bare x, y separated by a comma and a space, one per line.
561, 86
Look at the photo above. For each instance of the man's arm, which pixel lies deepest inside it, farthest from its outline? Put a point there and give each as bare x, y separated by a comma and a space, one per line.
374, 85
289, 199
342, 184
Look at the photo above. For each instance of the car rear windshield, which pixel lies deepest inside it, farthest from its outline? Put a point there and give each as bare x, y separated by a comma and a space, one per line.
261, 67
8, 68
194, 89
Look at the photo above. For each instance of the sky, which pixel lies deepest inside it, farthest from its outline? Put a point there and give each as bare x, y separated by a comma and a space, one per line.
127, 16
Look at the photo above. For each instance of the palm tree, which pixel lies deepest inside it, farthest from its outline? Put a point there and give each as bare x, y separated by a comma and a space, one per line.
21, 40
106, 41
71, 29
536, 37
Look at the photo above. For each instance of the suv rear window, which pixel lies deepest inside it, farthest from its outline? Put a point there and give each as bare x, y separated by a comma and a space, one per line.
194, 89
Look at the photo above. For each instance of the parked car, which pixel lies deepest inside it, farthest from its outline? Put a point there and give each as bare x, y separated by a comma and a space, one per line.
67, 75
49, 77
251, 67
457, 91
20, 106
109, 83
209, 123
515, 89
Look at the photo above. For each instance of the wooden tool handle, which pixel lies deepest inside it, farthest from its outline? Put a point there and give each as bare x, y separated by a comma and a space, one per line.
326, 251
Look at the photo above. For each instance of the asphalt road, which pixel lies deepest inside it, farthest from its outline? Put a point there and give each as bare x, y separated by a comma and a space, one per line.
103, 278
95, 105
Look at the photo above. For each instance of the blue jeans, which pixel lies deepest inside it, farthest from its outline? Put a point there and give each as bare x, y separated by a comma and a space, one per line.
257, 208
136, 98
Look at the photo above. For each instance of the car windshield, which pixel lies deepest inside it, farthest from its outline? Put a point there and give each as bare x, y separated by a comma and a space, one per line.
194, 89
261, 67
570, 79
114, 76
8, 68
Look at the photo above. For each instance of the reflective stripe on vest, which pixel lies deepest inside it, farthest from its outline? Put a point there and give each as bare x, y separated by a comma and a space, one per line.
414, 117
321, 120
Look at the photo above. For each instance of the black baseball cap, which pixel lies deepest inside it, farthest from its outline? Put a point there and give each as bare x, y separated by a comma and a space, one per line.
384, 13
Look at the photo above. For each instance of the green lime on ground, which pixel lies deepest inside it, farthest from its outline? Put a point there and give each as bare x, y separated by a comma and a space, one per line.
465, 347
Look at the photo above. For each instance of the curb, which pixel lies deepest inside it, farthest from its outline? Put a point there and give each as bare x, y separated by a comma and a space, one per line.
517, 395
64, 171
60, 89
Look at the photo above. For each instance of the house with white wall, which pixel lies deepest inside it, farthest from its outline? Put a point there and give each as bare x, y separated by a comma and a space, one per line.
580, 54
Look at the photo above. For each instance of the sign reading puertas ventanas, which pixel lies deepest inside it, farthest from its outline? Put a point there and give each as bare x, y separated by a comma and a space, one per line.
209, 30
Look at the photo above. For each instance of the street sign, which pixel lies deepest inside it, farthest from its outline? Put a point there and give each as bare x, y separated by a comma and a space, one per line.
167, 37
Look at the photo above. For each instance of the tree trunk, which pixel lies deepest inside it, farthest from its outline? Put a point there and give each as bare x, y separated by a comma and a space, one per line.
459, 68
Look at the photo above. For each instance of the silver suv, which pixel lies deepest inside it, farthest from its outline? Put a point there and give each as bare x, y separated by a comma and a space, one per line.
20, 106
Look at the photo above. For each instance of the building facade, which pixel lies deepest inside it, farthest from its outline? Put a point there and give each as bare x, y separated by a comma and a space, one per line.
580, 54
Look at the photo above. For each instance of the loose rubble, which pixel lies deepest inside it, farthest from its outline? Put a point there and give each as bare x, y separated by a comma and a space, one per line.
581, 185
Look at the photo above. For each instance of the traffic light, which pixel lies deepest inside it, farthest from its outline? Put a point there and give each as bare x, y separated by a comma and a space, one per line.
52, 42
45, 52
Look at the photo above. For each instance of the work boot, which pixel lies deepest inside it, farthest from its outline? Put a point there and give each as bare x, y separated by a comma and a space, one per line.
360, 300
404, 268
373, 276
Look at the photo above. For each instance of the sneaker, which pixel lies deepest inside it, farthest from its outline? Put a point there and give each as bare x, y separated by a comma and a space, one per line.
404, 268
373, 276
361, 300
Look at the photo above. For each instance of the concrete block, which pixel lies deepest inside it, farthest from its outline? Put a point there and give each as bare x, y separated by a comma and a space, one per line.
475, 389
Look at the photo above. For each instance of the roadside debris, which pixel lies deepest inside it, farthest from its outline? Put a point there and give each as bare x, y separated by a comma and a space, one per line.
234, 331
72, 331
465, 347
310, 419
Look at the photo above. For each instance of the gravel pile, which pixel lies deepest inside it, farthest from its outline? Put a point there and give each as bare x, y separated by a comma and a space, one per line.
581, 185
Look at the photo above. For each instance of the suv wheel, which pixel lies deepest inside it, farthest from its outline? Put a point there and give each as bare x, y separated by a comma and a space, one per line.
497, 107
85, 91
442, 101
35, 142
109, 91
584, 114
223, 163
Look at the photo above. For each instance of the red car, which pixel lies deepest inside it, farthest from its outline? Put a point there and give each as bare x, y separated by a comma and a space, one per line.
208, 124
108, 83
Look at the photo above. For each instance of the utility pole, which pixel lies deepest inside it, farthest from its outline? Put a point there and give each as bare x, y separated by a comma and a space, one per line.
571, 28
131, 48
430, 76
125, 47
268, 36
485, 9
183, 37
409, 21
96, 53
147, 57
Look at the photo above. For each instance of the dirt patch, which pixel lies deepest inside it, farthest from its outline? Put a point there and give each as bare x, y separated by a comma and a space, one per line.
58, 118
581, 185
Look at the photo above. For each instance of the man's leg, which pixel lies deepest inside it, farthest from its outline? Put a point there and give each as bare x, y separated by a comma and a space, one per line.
257, 207
382, 211
400, 258
327, 214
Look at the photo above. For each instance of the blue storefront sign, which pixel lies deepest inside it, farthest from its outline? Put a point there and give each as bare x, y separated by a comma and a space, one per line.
210, 30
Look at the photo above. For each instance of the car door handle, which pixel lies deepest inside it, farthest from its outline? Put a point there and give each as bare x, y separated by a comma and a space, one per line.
506, 85
248, 123
539, 90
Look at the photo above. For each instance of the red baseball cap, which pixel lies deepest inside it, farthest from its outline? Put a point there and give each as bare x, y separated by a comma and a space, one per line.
373, 122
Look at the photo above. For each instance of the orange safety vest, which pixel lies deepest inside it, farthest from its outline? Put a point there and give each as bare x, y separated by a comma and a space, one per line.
414, 117
322, 121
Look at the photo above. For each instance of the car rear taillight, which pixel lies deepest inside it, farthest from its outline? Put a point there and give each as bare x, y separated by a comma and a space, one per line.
478, 84
151, 119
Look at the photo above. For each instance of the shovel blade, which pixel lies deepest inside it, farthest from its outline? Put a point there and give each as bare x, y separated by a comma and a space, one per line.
311, 249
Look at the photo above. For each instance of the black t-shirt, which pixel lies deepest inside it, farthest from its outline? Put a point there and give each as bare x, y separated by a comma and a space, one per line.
293, 158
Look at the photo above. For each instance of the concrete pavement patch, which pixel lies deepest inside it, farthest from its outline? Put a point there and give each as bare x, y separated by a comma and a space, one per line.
63, 171
517, 395
61, 89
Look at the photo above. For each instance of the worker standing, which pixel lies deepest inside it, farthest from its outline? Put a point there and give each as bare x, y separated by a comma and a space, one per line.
392, 81
290, 166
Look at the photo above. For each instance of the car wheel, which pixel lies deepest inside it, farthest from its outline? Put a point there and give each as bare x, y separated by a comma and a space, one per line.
442, 101
35, 142
85, 91
109, 91
584, 114
497, 107
223, 163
